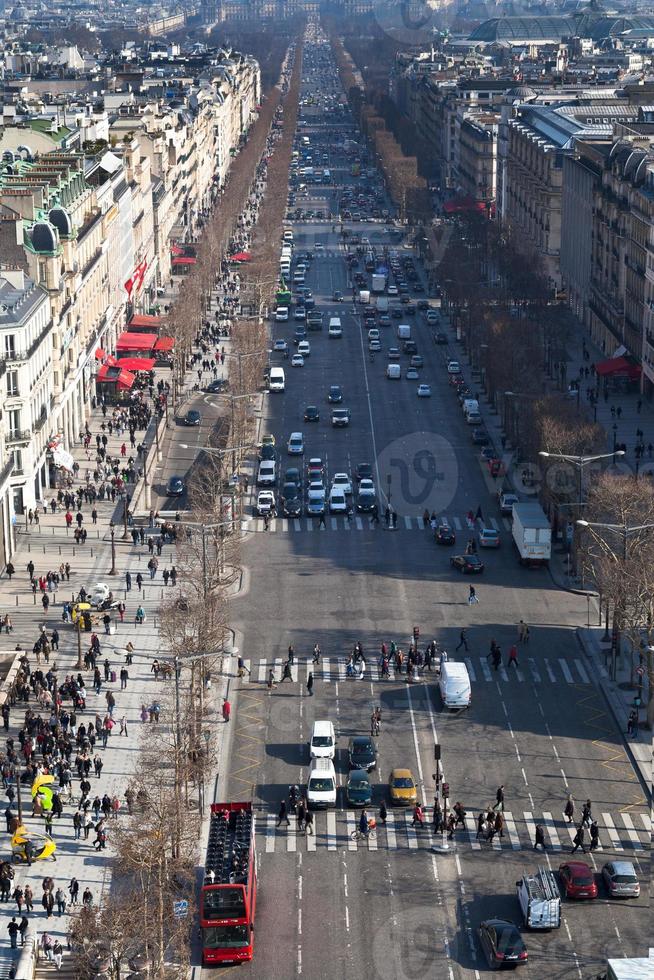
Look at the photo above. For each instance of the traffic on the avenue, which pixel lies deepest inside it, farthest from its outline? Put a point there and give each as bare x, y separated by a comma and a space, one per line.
435, 786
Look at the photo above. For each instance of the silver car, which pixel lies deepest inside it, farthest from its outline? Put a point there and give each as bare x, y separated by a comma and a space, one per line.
620, 879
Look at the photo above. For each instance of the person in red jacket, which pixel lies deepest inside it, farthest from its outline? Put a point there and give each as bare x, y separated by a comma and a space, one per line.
227, 709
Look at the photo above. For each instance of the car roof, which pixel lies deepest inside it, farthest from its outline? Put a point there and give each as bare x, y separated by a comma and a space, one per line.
398, 773
577, 866
360, 740
323, 727
359, 776
499, 923
621, 867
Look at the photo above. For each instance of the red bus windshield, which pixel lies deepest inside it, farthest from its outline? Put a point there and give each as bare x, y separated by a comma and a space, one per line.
227, 937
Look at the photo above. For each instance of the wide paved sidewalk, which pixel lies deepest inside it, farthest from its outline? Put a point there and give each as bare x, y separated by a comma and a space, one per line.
50, 545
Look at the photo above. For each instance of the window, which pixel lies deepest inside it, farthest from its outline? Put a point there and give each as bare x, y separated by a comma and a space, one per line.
43, 272
14, 421
12, 384
17, 455
10, 345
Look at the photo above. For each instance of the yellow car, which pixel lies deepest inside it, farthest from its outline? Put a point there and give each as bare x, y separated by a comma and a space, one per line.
402, 787
268, 440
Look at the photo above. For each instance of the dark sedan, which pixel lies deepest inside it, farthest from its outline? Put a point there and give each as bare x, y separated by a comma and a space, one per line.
362, 752
291, 501
445, 534
175, 487
192, 418
366, 500
358, 791
467, 564
311, 414
502, 943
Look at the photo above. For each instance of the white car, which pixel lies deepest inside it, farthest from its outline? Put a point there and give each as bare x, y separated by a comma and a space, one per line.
375, 346
267, 475
265, 502
424, 391
453, 367
337, 501
297, 360
373, 333
343, 482
367, 485
295, 445
281, 314
392, 291
303, 348
281, 346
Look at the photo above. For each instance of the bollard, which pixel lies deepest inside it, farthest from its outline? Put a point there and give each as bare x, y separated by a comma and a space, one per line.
91, 552
43, 549
60, 551
34, 597
29, 547
73, 552
16, 598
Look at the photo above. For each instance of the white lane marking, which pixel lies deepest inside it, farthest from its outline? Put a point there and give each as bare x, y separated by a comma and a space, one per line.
534, 671
331, 831
457, 524
359, 523
503, 674
552, 831
311, 839
472, 834
471, 669
582, 672
351, 824
334, 523
631, 831
616, 844
565, 670
410, 831
550, 672
291, 834
391, 838
647, 822
263, 668
270, 833
485, 669
511, 830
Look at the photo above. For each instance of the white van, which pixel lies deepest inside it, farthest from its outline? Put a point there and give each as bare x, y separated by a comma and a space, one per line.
473, 418
470, 405
454, 685
321, 786
298, 278
285, 268
277, 379
335, 328
540, 900
323, 740
403, 331
288, 236
393, 372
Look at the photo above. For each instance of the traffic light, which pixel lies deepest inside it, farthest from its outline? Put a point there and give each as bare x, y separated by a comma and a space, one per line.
446, 791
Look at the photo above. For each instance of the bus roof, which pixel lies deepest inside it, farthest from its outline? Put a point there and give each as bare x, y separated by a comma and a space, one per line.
229, 849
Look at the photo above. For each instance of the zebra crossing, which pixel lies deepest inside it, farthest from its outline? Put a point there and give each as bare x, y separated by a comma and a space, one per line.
358, 522
547, 670
622, 833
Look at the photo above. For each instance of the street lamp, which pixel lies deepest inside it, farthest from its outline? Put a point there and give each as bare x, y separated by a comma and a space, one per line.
615, 440
580, 462
126, 501
112, 531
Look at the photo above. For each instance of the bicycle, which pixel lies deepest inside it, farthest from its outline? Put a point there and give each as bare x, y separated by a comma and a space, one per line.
356, 835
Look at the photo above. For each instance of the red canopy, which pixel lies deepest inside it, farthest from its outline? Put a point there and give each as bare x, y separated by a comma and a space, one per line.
136, 341
100, 354
619, 366
164, 344
142, 320
137, 363
240, 257
184, 260
115, 375
176, 250
463, 204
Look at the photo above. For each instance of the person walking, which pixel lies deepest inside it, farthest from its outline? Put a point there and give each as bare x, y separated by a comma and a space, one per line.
569, 809
23, 926
57, 953
243, 668
463, 641
60, 899
586, 815
594, 836
499, 823
472, 596
227, 710
73, 890
18, 897
316, 654
418, 816
13, 929
308, 822
310, 683
499, 798
513, 657
29, 899
383, 813
578, 839
282, 815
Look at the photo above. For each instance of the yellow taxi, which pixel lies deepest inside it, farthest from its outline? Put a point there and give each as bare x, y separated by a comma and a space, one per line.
402, 787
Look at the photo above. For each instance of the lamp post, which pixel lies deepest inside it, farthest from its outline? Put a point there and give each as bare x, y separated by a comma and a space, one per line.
112, 531
615, 440
126, 502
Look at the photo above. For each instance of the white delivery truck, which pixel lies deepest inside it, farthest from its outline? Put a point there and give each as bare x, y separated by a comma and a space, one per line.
364, 296
378, 282
532, 534
403, 331
539, 899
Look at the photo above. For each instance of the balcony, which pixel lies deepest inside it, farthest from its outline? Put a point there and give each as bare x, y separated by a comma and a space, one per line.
40, 422
6, 471
19, 435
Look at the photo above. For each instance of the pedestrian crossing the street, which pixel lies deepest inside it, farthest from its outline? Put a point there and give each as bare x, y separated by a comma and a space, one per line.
622, 833
549, 670
358, 522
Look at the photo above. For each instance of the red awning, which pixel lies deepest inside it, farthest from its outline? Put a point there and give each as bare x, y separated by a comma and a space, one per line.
184, 260
164, 344
240, 257
136, 341
458, 204
176, 250
619, 366
137, 363
143, 320
116, 375
100, 354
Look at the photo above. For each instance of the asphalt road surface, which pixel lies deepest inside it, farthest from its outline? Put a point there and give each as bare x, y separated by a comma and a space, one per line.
392, 908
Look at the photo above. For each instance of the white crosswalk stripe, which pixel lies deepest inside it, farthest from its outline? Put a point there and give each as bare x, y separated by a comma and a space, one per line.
647, 822
333, 830
550, 672
565, 670
581, 670
535, 673
471, 670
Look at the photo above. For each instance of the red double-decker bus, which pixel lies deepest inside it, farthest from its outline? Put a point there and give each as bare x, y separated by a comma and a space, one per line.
229, 889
